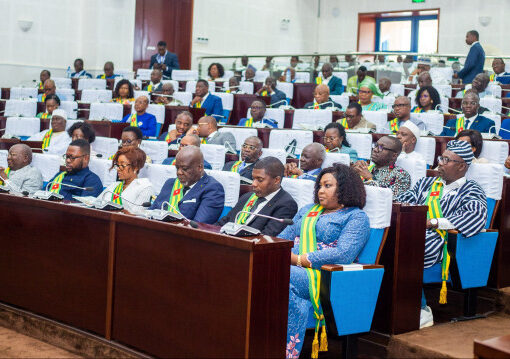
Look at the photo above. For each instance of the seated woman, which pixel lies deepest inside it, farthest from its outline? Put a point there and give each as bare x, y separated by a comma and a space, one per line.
124, 92
366, 90
215, 71
130, 191
335, 140
132, 137
337, 230
82, 130
427, 99
52, 102
474, 138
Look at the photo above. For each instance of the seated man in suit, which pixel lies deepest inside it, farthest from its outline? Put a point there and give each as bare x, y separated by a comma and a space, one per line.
249, 74
382, 171
278, 98
54, 140
183, 123
197, 195
462, 206
384, 86
187, 140
470, 119
258, 110
310, 163
208, 131
155, 84
79, 72
267, 198
165, 96
233, 86
479, 84
402, 111
108, 71
43, 76
322, 99
499, 75
142, 119
204, 99
164, 60
20, 175
408, 135
77, 173
49, 88
334, 83
354, 119
250, 154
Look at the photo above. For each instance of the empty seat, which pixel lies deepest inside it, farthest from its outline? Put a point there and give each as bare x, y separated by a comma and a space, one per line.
494, 90
49, 165
240, 134
342, 75
62, 82
65, 94
332, 158
19, 93
416, 168
362, 143
311, 119
275, 152
86, 84
109, 111
157, 150
287, 88
231, 183
495, 151
494, 117
379, 119
89, 95
227, 100
184, 97
444, 90
215, 155
299, 189
342, 100
492, 103
143, 74
433, 121
22, 108
283, 138
71, 108
101, 167
22, 126
302, 76
184, 75
441, 75
397, 89
157, 174
106, 146
426, 146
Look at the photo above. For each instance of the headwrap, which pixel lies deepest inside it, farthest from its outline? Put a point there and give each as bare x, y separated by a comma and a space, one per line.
60, 113
462, 149
424, 61
412, 127
370, 84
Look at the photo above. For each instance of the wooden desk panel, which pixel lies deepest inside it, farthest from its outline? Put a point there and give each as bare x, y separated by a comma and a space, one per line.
303, 93
494, 348
500, 270
242, 103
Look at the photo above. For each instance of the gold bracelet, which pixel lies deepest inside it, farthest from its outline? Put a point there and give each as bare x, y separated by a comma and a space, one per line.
299, 261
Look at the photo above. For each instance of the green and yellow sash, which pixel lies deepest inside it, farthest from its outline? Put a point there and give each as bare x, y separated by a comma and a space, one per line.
316, 106
176, 196
459, 124
41, 85
55, 187
198, 105
492, 77
370, 169
235, 166
6, 171
344, 123
247, 208
318, 80
394, 126
167, 138
203, 141
418, 109
264, 93
249, 122
433, 202
149, 88
116, 198
47, 139
133, 120
103, 76
43, 97
173, 162
308, 244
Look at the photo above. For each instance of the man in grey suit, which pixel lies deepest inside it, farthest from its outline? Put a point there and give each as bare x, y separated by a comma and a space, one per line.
208, 132
20, 176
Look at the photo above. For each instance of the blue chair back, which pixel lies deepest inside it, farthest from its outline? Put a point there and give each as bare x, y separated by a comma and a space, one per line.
226, 114
158, 129
370, 251
491, 205
226, 210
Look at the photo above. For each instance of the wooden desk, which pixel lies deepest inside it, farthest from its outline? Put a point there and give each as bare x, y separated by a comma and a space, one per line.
500, 269
108, 128
242, 103
303, 93
171, 113
494, 348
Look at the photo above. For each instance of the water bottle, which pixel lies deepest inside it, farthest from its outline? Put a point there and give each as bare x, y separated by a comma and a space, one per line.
287, 76
68, 72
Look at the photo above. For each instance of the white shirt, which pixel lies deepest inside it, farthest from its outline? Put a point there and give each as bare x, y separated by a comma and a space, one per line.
58, 143
326, 81
138, 192
260, 206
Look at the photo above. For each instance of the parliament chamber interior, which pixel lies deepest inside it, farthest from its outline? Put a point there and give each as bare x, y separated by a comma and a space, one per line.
238, 179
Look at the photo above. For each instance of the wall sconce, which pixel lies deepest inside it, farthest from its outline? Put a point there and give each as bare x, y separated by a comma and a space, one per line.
484, 20
25, 25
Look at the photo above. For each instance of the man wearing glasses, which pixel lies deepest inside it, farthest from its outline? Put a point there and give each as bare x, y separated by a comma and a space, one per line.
77, 173
462, 206
257, 112
402, 111
188, 140
354, 119
382, 171
208, 132
250, 154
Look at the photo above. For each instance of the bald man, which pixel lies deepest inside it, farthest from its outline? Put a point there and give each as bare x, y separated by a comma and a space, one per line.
322, 99
142, 119
208, 132
499, 75
20, 176
424, 79
155, 84
250, 154
49, 88
310, 163
334, 83
479, 84
187, 140
198, 196
108, 71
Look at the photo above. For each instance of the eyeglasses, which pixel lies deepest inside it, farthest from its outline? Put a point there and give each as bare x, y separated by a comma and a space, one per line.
127, 142
397, 105
472, 103
249, 147
380, 148
330, 138
71, 158
364, 91
446, 160
122, 167
257, 107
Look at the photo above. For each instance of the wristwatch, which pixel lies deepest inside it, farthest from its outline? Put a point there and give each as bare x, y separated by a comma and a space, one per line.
434, 222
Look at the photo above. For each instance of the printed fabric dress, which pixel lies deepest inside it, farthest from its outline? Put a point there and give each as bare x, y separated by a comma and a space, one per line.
340, 238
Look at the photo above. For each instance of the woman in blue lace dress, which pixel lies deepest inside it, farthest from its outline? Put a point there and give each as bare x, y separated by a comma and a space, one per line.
341, 231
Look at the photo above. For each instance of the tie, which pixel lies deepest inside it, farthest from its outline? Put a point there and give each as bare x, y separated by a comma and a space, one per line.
184, 190
259, 201
466, 124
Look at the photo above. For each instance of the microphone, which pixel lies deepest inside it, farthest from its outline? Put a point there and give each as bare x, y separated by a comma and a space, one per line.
86, 189
279, 102
167, 216
242, 230
229, 148
454, 110
112, 206
491, 135
54, 196
332, 108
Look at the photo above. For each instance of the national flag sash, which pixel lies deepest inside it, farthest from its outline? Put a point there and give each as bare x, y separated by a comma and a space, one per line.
264, 93
241, 219
116, 195
43, 97
344, 123
316, 106
370, 169
198, 105
203, 141
492, 77
6, 172
235, 166
418, 109
55, 187
47, 139
318, 80
41, 86
176, 196
45, 115
459, 124
149, 88
249, 122
133, 120
394, 125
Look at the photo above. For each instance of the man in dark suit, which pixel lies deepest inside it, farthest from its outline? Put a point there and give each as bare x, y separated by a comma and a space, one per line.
204, 99
187, 140
183, 123
164, 60
155, 85
470, 119
267, 198
321, 99
278, 98
200, 197
474, 60
334, 83
250, 154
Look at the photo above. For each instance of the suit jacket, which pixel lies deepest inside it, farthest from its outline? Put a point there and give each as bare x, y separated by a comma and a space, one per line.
171, 63
220, 138
246, 171
203, 203
83, 178
156, 88
277, 97
282, 205
474, 63
335, 86
213, 106
481, 124
322, 106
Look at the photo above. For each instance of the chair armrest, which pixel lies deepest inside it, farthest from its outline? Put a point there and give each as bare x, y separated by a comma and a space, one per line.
346, 267
453, 231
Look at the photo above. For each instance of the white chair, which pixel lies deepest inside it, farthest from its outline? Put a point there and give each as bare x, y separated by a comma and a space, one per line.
494, 90
184, 97
492, 103
49, 165
20, 93
246, 87
444, 90
495, 151
192, 84
157, 150
141, 93
494, 117
71, 108
397, 89
441, 75
106, 146
62, 83
174, 83
489, 176
276, 114
305, 119
69, 123
101, 167
426, 146
109, 111
275, 152
22, 126
260, 76
90, 84
281, 138
231, 183
157, 110
227, 100
434, 122
143, 74
20, 108
445, 103
124, 74
299, 189
416, 168
184, 75
342, 75
228, 74
215, 155
240, 134
65, 94
362, 143
332, 158
342, 99
90, 96
378, 206
287, 88
379, 119
3, 158
157, 174
136, 82
302, 76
